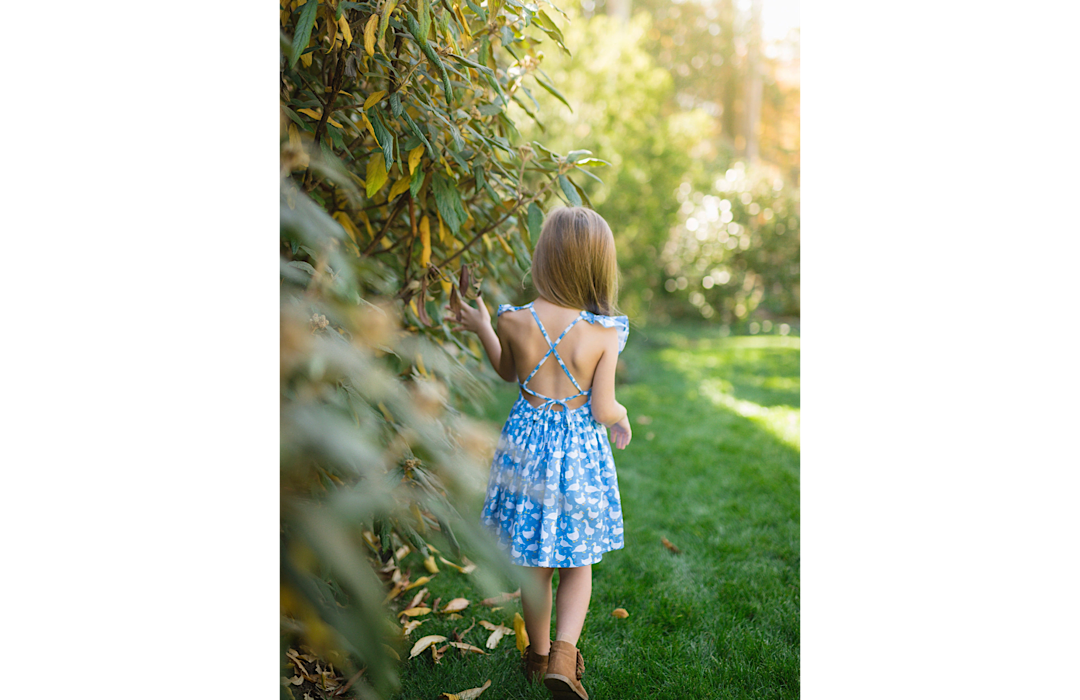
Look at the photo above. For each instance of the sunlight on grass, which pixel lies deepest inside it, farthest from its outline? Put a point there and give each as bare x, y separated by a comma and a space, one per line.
754, 377
780, 421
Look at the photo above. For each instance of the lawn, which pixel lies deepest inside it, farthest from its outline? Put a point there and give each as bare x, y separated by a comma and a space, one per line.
714, 468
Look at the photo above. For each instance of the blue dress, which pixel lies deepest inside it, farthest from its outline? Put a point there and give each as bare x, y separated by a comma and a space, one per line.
553, 496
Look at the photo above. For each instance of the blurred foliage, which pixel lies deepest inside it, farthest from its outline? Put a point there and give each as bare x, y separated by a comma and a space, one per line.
405, 185
661, 97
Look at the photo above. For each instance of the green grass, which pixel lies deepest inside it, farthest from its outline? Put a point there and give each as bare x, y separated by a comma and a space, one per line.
716, 472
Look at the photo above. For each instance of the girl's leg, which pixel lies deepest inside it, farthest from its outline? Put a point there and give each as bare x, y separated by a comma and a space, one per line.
537, 609
572, 603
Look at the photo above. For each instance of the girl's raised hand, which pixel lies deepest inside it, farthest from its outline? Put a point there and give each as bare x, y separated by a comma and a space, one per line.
620, 432
473, 319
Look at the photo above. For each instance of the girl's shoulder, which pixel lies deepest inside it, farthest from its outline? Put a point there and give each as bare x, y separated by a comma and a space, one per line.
620, 323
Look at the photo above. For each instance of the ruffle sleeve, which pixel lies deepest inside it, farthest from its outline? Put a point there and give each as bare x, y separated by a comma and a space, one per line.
620, 323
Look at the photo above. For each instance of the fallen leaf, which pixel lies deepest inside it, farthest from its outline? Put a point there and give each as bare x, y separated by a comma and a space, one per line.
417, 599
467, 647
437, 654
402, 552
414, 612
467, 569
296, 680
455, 605
670, 546
473, 693
497, 633
620, 613
430, 564
424, 642
448, 696
501, 598
411, 625
418, 582
520, 633
454, 616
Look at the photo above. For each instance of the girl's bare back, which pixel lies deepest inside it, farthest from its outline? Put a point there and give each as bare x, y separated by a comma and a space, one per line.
580, 349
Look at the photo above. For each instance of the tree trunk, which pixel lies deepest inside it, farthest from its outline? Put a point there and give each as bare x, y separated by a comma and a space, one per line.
753, 84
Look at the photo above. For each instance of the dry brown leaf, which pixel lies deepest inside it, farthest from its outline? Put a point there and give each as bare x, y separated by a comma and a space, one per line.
497, 633
296, 680
620, 613
467, 647
414, 612
520, 633
417, 599
424, 642
501, 598
670, 546
473, 693
437, 654
411, 625
455, 605
402, 552
448, 696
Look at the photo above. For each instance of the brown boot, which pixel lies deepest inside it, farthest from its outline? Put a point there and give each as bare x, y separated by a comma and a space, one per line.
565, 668
535, 665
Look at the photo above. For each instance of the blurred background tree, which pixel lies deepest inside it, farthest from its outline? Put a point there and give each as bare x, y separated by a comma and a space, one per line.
689, 103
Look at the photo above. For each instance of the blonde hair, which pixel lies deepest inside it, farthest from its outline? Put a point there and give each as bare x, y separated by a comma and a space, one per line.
574, 263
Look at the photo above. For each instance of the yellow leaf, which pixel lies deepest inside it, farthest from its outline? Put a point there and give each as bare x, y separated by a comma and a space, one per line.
411, 625
455, 605
473, 693
347, 224
345, 30
505, 245
414, 157
423, 370
462, 22
370, 128
414, 612
306, 60
376, 174
468, 647
522, 637
425, 241
369, 34
424, 643
367, 224
418, 582
620, 613
332, 33
374, 98
446, 287
399, 187
429, 563
442, 229
317, 115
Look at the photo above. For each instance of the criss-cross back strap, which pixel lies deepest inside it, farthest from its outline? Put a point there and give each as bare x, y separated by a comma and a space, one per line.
548, 401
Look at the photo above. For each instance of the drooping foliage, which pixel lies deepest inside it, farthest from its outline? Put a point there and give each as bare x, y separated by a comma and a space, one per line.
404, 187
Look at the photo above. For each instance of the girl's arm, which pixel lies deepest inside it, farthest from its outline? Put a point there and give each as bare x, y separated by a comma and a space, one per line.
498, 350
605, 408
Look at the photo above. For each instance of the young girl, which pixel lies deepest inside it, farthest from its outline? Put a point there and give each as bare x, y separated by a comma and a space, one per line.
553, 496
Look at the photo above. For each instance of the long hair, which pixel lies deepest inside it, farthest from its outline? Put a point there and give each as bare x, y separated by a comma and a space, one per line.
574, 263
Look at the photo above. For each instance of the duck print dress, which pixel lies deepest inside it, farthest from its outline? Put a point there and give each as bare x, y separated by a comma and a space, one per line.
553, 497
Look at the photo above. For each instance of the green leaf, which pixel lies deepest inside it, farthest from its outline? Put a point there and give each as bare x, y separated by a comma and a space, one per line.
347, 6
303, 30
385, 138
416, 182
573, 156
591, 161
448, 201
569, 190
550, 88
423, 10
376, 175
536, 221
